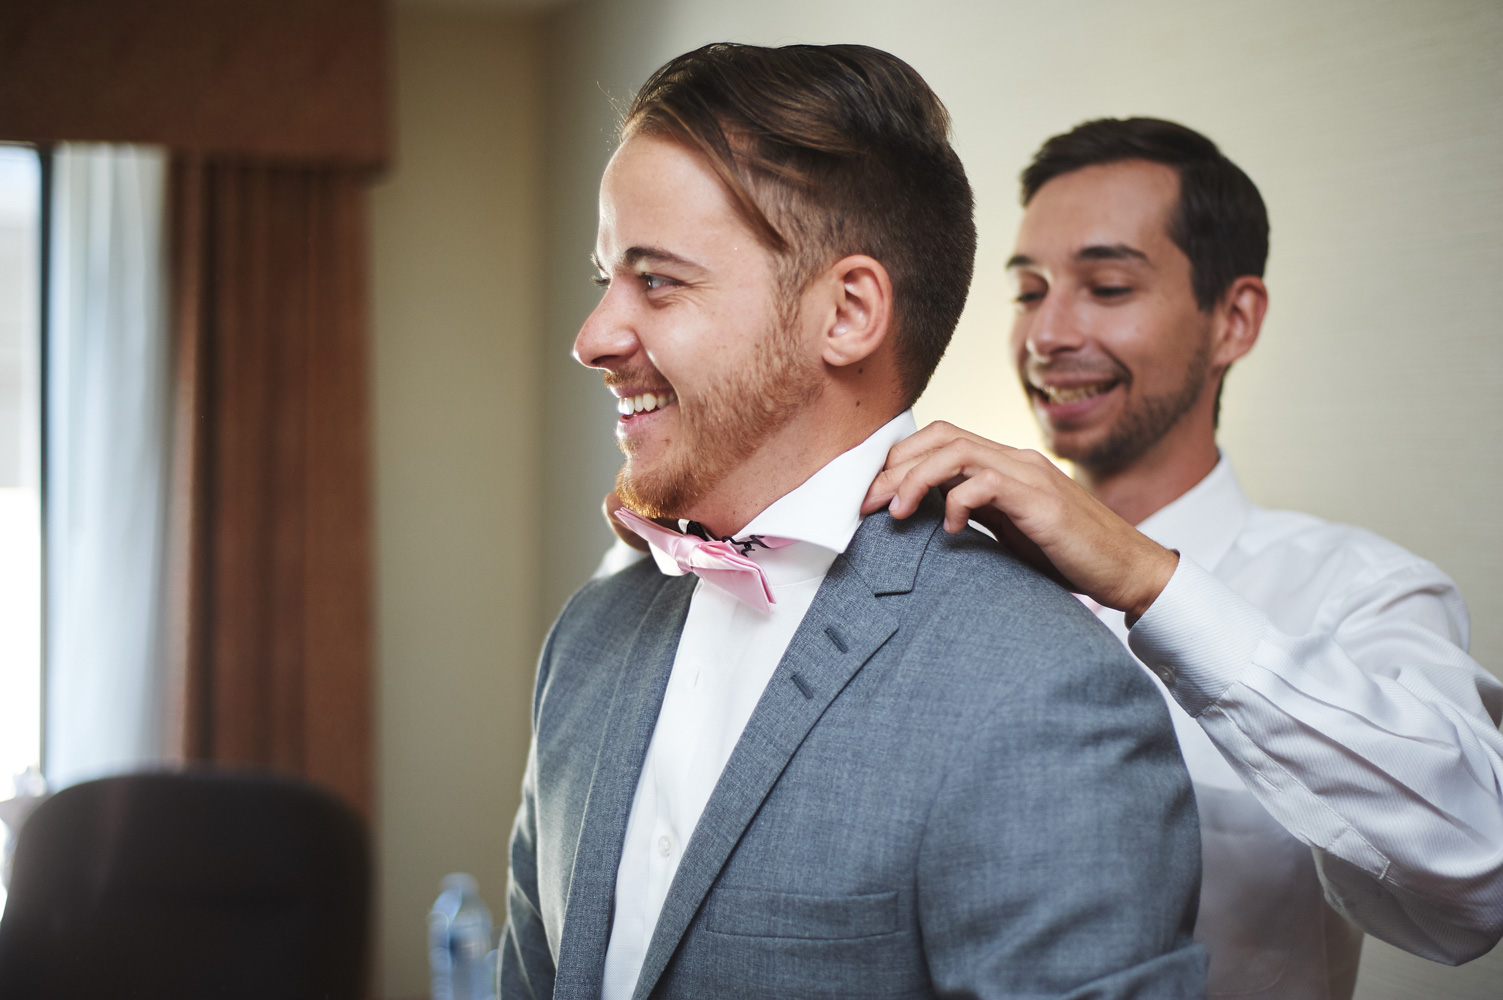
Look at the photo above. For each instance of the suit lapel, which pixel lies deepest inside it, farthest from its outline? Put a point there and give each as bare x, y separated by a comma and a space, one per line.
844, 626
628, 729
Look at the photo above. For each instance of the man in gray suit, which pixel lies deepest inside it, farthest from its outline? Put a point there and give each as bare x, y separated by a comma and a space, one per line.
804, 755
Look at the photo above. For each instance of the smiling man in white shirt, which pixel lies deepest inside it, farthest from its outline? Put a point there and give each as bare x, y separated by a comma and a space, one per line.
846, 757
1347, 762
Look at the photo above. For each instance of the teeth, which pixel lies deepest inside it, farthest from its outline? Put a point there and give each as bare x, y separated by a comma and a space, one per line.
1073, 393
630, 405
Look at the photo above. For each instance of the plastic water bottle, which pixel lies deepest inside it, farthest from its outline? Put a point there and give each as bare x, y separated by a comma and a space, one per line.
459, 943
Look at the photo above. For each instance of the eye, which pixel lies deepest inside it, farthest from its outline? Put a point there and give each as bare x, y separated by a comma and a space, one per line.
1027, 297
652, 282
1110, 291
600, 280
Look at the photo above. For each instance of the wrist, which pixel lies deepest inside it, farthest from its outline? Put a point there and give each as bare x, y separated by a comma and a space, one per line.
1158, 566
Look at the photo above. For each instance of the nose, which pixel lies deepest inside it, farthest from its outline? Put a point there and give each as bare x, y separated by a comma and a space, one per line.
607, 337
1050, 327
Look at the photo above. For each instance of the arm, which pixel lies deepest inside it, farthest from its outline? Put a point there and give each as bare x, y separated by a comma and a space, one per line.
1375, 743
1062, 855
1383, 706
526, 963
526, 969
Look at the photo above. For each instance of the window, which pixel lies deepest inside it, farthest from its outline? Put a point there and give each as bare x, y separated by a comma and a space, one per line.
20, 466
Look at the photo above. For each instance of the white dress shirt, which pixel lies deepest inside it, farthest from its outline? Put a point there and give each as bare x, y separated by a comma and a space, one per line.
1323, 698
726, 655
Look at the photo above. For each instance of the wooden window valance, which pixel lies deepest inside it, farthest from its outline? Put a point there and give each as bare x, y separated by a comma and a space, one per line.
294, 80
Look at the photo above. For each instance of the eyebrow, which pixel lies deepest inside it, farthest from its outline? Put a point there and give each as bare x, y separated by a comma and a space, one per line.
654, 255
1109, 251
1113, 251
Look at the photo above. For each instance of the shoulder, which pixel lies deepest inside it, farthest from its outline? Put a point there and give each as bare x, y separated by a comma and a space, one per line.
972, 584
603, 613
1313, 575
1303, 548
624, 593
986, 628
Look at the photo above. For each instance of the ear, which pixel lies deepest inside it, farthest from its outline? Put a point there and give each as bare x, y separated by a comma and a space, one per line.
862, 294
1239, 319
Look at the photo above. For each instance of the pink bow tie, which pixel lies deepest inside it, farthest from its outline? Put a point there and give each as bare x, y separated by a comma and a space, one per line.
716, 562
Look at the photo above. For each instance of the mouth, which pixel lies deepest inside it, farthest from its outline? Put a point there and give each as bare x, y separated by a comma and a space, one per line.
1062, 402
1067, 395
637, 404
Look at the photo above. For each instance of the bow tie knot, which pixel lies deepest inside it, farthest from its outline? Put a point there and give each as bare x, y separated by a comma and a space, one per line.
722, 562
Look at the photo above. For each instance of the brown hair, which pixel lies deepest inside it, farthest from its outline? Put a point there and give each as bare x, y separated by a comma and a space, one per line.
827, 151
1220, 222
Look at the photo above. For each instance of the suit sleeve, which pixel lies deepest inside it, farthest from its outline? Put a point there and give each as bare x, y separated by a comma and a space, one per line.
1374, 741
1062, 855
526, 970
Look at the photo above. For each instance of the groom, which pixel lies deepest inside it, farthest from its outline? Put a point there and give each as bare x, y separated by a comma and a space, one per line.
799, 754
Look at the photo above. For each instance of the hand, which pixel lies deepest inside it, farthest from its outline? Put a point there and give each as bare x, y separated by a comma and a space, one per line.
1046, 518
612, 504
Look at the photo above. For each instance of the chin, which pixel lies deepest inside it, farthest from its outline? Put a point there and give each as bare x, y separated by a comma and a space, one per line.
656, 489
1071, 446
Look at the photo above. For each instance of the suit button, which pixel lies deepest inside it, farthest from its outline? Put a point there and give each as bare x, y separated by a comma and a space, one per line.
665, 846
1166, 674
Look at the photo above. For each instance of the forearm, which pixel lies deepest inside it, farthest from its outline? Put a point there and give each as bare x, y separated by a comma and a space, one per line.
1372, 744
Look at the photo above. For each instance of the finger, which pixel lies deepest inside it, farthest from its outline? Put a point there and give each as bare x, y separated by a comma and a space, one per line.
884, 487
934, 437
968, 498
946, 468
969, 502
929, 439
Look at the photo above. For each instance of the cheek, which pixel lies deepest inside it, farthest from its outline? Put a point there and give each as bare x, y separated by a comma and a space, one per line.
689, 357
1155, 349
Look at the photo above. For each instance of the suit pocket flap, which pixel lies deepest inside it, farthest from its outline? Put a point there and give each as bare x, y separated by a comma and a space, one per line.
758, 913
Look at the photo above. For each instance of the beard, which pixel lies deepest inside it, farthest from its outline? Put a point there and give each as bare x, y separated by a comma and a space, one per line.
1141, 427
722, 427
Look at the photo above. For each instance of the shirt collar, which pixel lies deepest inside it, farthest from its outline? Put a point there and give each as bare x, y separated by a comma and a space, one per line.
1205, 520
826, 509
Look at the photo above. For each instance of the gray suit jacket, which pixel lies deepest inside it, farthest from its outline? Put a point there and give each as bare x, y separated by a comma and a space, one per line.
957, 783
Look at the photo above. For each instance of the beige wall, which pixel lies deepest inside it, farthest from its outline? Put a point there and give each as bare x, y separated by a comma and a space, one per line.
456, 230
1375, 130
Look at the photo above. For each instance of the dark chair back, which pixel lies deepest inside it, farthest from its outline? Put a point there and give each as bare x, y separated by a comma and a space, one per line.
193, 885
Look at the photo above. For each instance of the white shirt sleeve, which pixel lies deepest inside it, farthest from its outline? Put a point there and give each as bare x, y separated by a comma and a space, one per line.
1374, 740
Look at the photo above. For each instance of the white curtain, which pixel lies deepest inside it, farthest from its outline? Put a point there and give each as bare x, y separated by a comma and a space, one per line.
107, 462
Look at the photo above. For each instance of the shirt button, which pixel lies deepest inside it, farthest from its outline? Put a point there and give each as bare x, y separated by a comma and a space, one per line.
665, 846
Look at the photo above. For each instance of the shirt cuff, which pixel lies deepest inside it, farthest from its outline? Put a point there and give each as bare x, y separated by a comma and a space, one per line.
1198, 636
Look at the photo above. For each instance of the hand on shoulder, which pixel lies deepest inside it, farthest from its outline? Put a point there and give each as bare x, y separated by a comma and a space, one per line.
1042, 515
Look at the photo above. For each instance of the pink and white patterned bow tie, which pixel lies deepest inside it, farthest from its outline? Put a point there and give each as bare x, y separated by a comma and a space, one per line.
716, 562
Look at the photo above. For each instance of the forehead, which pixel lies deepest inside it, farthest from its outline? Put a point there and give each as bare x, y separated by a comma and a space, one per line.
1126, 203
658, 193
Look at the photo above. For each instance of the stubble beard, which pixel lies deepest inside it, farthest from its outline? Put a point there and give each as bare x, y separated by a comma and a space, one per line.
721, 428
1141, 427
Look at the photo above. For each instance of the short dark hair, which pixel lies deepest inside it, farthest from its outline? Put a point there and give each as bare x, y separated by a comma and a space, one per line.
827, 151
1220, 222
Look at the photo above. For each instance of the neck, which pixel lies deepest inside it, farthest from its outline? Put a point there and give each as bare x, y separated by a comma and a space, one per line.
786, 460
1161, 475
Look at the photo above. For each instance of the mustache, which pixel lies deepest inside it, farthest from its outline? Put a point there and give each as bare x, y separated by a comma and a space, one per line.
615, 379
